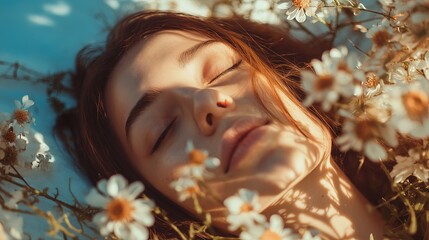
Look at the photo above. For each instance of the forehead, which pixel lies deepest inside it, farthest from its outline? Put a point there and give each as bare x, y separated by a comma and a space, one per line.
151, 62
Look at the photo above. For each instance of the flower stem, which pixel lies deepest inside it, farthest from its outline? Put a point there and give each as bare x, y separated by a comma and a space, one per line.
46, 196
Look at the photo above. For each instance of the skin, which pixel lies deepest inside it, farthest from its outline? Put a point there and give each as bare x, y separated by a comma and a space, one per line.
276, 160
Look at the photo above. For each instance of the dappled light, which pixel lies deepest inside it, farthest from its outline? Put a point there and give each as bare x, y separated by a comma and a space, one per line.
59, 8
41, 20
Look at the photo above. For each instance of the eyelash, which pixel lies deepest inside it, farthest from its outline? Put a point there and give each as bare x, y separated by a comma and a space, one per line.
163, 135
233, 67
167, 129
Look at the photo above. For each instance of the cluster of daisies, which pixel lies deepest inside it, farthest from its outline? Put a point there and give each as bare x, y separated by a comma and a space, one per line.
383, 96
19, 147
127, 215
379, 98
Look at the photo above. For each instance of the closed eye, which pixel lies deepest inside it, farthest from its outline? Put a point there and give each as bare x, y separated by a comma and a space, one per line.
161, 137
233, 67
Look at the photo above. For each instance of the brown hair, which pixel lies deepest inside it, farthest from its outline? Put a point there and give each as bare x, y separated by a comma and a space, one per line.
86, 130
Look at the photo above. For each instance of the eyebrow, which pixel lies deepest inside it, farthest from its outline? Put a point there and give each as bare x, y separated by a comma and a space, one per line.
187, 55
143, 103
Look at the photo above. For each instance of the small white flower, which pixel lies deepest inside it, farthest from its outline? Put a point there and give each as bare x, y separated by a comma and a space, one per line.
243, 209
417, 26
380, 35
269, 231
299, 9
123, 214
198, 162
11, 224
411, 165
373, 86
25, 104
410, 105
185, 187
406, 75
43, 161
21, 114
336, 75
362, 135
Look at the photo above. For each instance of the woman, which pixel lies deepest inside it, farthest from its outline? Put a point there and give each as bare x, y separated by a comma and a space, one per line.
231, 87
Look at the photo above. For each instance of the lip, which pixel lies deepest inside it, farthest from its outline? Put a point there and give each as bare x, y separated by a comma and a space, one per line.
239, 133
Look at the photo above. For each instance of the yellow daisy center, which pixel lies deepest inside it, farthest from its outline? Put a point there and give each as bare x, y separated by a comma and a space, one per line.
120, 209
246, 207
342, 66
381, 38
301, 3
9, 136
197, 156
324, 82
416, 104
21, 116
270, 235
371, 81
363, 129
193, 190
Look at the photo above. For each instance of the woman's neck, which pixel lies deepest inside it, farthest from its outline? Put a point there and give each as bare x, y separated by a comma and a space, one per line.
327, 201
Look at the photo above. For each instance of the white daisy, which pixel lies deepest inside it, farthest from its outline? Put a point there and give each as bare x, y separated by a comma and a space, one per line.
269, 231
198, 162
334, 76
299, 9
123, 213
362, 135
11, 224
417, 26
186, 187
25, 103
410, 165
21, 114
380, 35
243, 209
43, 161
410, 105
406, 74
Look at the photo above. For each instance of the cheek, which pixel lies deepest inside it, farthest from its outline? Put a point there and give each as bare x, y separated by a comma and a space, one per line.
163, 168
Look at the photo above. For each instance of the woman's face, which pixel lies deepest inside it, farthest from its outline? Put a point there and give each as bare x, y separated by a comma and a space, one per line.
177, 86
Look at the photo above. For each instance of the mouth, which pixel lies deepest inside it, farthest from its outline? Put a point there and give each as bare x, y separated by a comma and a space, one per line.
237, 140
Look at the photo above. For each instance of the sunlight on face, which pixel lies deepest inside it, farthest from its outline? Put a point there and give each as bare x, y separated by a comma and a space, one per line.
177, 86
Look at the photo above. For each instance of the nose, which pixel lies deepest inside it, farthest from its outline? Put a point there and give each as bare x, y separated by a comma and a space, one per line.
209, 108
